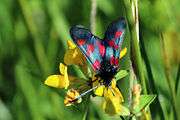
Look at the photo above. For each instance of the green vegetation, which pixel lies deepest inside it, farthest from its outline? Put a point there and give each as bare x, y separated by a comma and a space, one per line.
33, 36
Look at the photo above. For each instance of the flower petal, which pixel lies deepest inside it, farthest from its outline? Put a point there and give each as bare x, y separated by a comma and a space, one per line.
118, 94
74, 56
99, 91
95, 82
113, 83
123, 52
113, 99
70, 44
62, 68
71, 96
57, 81
112, 107
115, 91
113, 103
63, 71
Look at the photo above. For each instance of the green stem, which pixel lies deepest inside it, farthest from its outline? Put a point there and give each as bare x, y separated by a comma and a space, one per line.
177, 79
169, 78
93, 16
133, 22
135, 49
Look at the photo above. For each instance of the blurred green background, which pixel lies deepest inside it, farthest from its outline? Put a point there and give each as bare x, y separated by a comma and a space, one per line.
33, 35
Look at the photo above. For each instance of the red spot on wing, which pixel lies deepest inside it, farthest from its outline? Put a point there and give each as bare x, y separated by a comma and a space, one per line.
116, 62
112, 59
96, 65
111, 43
117, 34
101, 48
116, 47
90, 49
80, 42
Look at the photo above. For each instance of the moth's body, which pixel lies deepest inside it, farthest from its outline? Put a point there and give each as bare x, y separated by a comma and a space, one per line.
107, 73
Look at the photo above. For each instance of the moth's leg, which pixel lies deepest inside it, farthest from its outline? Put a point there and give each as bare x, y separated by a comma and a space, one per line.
91, 80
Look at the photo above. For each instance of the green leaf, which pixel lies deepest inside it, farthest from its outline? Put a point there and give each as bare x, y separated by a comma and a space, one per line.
133, 118
145, 101
121, 74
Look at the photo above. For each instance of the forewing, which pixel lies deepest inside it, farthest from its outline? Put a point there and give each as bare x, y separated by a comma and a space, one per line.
113, 41
90, 45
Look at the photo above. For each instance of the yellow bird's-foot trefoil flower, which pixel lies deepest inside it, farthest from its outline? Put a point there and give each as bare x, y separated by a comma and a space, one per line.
59, 81
71, 96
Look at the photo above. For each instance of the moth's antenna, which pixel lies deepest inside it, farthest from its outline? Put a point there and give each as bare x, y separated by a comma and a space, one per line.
86, 92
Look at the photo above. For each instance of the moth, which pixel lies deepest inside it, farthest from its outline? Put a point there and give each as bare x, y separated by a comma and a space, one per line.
102, 54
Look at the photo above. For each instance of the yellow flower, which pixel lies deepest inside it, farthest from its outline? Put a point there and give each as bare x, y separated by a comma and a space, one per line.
73, 55
113, 106
71, 96
59, 81
113, 101
113, 98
